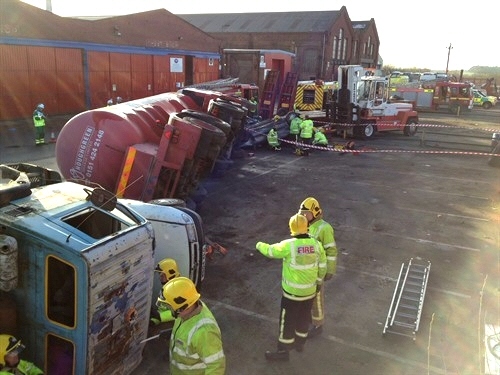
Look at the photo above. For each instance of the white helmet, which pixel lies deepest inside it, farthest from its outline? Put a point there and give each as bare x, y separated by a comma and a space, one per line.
110, 102
41, 106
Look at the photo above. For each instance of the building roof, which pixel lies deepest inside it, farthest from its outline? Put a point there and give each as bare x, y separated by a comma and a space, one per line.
276, 22
158, 29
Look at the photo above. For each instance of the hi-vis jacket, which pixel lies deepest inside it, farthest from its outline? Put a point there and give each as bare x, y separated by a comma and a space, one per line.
295, 125
323, 232
304, 265
196, 346
38, 118
306, 128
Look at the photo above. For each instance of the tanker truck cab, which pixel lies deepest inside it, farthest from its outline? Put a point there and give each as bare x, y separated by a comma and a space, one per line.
77, 272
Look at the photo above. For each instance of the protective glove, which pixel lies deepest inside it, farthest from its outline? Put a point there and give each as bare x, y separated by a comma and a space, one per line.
260, 246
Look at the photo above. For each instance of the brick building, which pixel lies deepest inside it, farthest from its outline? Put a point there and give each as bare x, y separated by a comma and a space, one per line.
320, 40
72, 65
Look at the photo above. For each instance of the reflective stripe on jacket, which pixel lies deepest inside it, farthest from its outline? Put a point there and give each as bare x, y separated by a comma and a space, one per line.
324, 233
196, 346
304, 264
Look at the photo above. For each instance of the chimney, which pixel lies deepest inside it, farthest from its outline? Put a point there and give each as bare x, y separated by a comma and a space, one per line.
48, 5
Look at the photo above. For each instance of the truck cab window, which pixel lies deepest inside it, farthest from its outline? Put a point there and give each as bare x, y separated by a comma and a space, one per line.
61, 291
98, 224
60, 356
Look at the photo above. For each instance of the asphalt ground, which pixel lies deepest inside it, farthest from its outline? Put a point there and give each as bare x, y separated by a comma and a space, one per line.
391, 199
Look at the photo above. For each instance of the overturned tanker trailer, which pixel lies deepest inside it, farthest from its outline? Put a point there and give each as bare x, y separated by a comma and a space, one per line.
156, 147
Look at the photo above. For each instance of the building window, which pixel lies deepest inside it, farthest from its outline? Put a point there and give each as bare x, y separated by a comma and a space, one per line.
344, 49
339, 45
355, 49
211, 61
334, 50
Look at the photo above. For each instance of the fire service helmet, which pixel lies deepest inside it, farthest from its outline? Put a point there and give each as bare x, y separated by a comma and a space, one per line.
169, 267
312, 205
41, 106
179, 294
298, 224
9, 344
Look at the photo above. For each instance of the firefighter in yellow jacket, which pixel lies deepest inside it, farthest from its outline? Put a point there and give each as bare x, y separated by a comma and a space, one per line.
10, 363
323, 232
304, 266
195, 342
167, 269
39, 122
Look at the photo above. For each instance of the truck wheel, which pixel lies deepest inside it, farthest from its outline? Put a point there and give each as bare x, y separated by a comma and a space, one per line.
410, 128
173, 202
487, 105
369, 130
212, 120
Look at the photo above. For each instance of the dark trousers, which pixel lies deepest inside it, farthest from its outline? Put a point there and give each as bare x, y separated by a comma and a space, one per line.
39, 134
295, 319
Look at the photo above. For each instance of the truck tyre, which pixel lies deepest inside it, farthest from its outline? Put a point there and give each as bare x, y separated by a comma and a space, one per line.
410, 128
487, 105
173, 202
215, 121
290, 116
369, 130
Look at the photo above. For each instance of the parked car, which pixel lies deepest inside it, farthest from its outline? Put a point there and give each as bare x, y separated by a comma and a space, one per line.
483, 100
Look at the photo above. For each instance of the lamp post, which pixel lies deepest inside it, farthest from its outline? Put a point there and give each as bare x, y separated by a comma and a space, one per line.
448, 61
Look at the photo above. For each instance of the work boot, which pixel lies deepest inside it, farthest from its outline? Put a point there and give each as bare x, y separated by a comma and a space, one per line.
280, 355
314, 331
299, 347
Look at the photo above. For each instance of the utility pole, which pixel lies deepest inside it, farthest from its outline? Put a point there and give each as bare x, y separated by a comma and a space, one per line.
448, 61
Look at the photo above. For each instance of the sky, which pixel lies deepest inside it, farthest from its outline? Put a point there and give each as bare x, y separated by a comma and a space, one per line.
413, 34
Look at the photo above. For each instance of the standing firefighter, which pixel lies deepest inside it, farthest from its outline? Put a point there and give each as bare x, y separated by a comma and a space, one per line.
39, 122
323, 232
195, 342
168, 270
306, 131
10, 363
304, 266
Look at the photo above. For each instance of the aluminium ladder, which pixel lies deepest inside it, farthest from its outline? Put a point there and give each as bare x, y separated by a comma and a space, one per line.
407, 302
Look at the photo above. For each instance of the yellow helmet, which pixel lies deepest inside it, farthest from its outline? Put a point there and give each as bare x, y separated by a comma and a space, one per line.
169, 267
179, 293
312, 205
298, 224
9, 344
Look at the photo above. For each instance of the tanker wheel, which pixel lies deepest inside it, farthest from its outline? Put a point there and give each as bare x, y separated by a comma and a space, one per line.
410, 128
290, 116
212, 120
242, 111
228, 108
